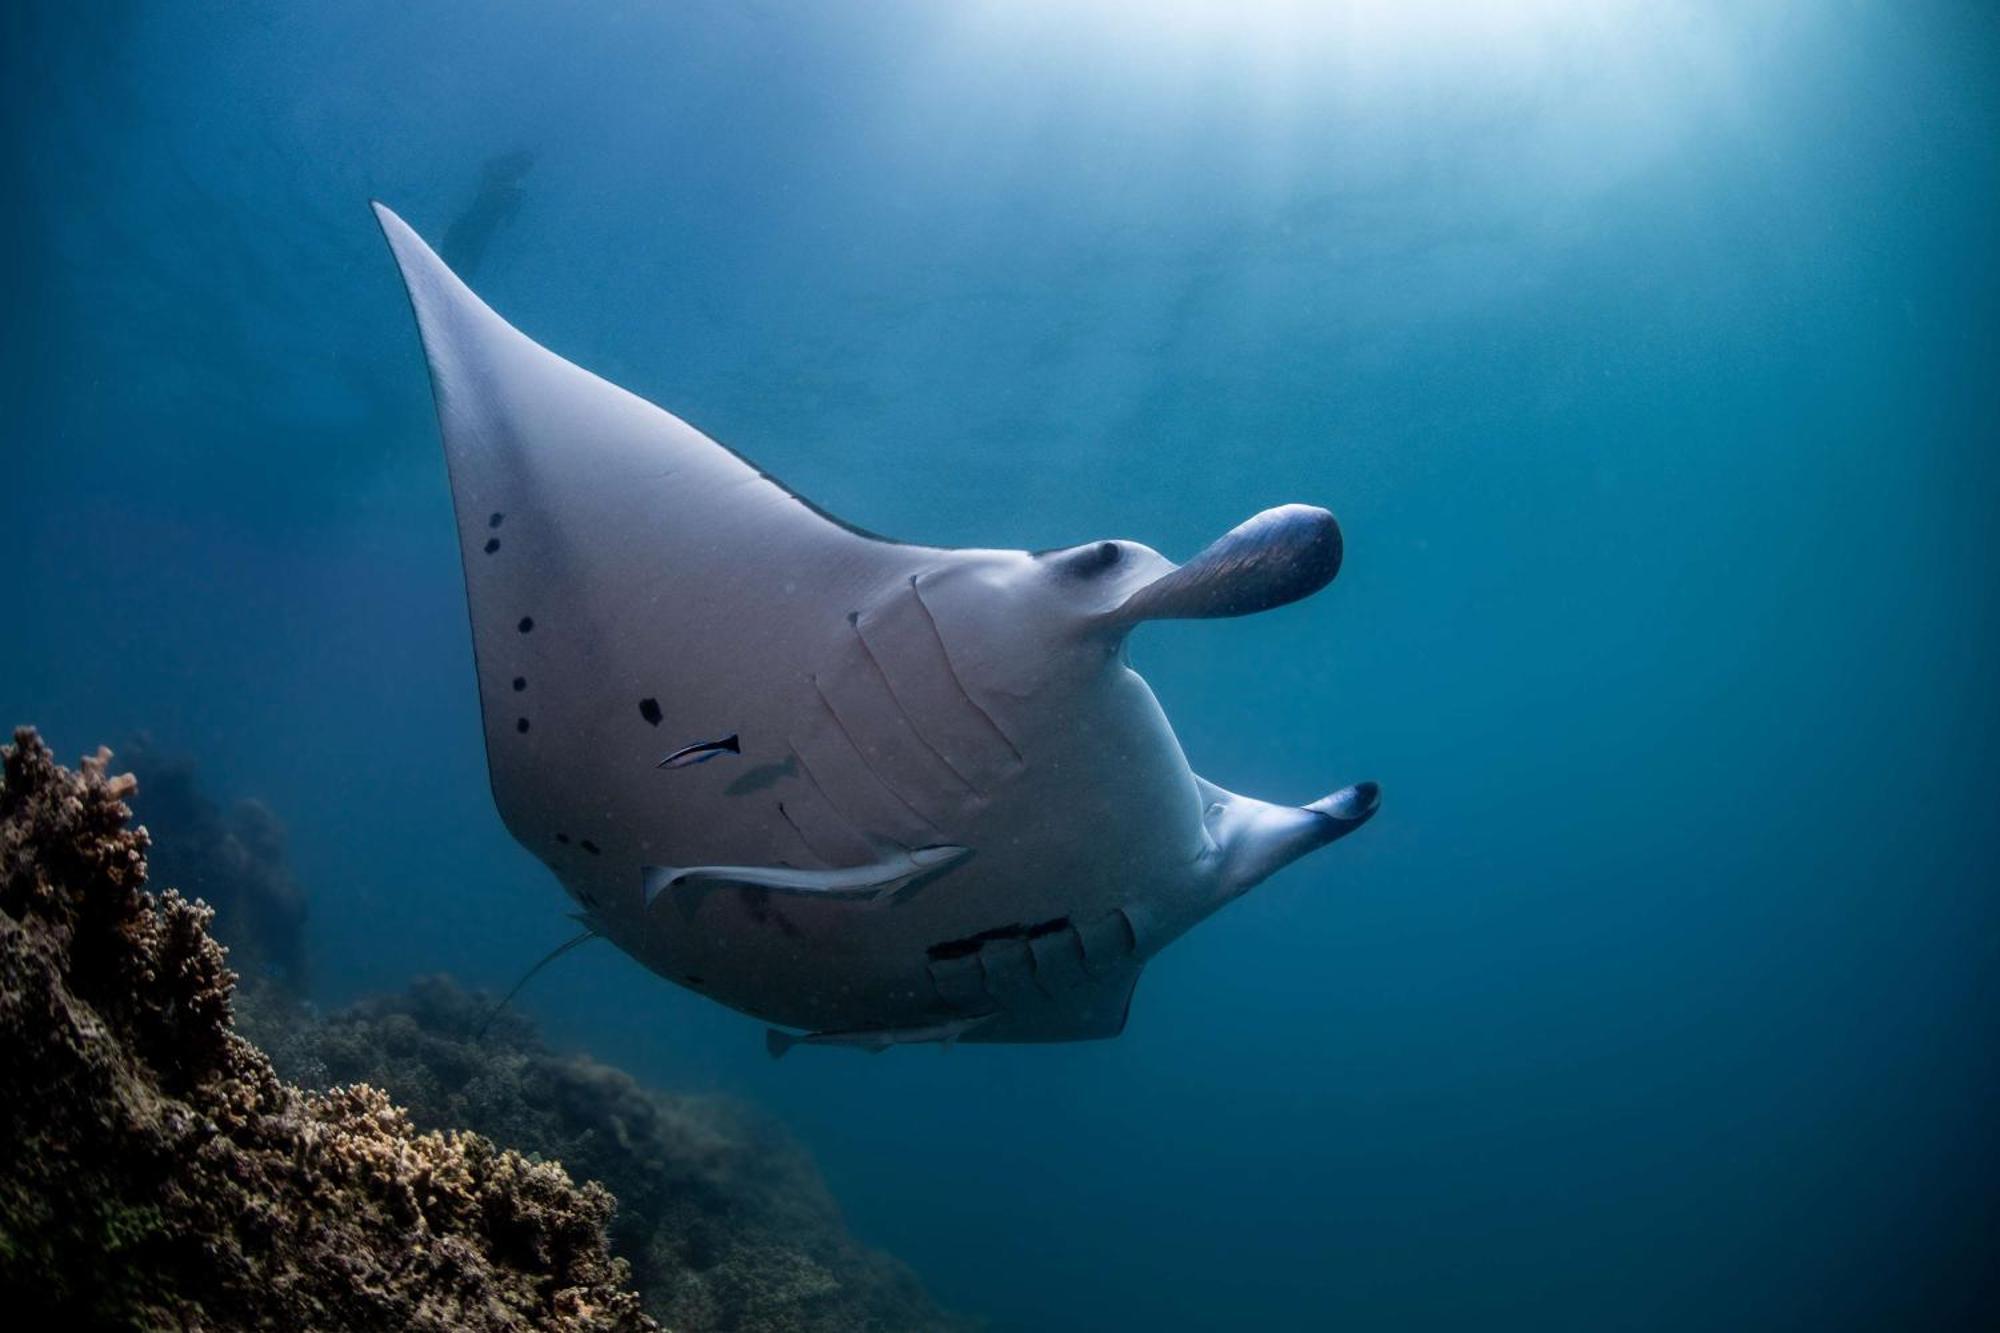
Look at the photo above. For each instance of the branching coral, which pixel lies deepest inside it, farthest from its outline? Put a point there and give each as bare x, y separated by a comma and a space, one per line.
160, 1174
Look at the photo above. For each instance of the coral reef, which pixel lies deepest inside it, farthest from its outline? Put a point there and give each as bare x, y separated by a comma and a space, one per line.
727, 1224
233, 860
161, 1175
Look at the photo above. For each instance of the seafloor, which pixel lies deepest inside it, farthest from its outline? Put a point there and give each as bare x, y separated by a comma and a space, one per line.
187, 1154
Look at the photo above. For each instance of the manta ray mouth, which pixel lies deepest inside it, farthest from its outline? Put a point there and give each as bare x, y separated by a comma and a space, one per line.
1266, 561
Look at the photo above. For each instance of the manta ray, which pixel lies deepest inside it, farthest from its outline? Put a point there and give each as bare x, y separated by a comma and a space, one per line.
869, 792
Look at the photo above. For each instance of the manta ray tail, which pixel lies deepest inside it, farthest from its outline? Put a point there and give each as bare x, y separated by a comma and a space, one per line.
588, 935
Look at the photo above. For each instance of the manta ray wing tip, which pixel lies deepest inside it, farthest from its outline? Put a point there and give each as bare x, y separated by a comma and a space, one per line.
387, 218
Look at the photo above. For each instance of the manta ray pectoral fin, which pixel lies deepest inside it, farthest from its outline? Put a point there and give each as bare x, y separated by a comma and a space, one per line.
877, 880
562, 485
1267, 560
1255, 839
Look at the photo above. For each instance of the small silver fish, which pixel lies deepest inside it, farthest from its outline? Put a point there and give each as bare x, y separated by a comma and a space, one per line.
701, 752
876, 1040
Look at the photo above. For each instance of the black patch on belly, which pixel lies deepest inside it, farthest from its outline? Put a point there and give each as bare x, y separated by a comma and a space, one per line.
972, 944
650, 710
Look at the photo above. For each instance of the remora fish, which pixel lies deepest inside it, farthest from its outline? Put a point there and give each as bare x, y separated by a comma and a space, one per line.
876, 880
877, 1041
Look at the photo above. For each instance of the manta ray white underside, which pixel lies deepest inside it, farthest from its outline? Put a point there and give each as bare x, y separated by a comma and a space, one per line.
880, 792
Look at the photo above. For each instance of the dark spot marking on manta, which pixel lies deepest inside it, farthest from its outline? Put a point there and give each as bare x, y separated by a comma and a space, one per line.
492, 545
495, 520
972, 944
521, 725
757, 902
650, 710
589, 846
693, 980
563, 838
762, 776
520, 683
527, 623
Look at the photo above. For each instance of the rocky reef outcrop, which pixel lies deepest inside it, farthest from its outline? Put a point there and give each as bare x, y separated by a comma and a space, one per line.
407, 1163
159, 1174
726, 1221
232, 858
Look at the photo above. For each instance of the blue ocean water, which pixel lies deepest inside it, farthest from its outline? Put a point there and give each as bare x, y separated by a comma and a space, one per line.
1646, 351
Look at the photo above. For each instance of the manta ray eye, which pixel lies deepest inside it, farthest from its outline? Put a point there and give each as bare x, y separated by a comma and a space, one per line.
1086, 561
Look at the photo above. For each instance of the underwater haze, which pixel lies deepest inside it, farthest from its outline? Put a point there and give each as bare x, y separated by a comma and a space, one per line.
1649, 354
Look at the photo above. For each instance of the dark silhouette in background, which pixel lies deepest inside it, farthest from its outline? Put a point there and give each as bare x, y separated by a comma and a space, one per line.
493, 207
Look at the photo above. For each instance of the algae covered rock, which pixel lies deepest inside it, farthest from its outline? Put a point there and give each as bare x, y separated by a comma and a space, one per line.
159, 1174
231, 857
726, 1221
